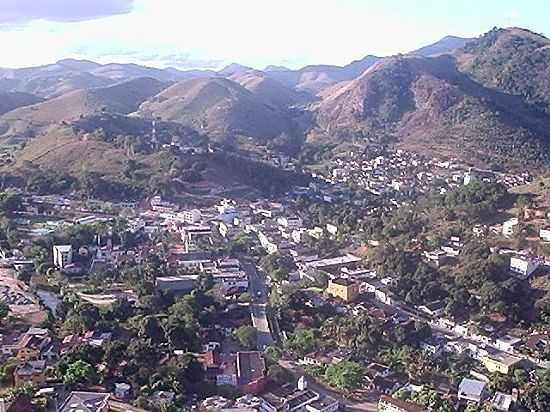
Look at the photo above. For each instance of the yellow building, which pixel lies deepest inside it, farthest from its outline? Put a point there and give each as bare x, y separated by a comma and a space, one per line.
500, 363
343, 288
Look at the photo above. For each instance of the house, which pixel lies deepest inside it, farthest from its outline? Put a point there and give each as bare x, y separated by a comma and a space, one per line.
376, 369
471, 390
544, 234
32, 343
62, 256
500, 362
380, 291
507, 343
343, 288
523, 267
122, 390
190, 216
388, 404
33, 372
291, 222
86, 402
334, 263
436, 257
177, 284
323, 404
502, 402
243, 370
288, 399
332, 229
433, 346
434, 309
509, 227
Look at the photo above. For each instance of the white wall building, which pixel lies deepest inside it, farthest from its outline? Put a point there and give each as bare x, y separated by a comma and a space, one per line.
544, 234
523, 267
509, 226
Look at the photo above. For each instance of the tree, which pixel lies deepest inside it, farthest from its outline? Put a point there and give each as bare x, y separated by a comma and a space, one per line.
302, 342
345, 375
273, 354
115, 353
247, 337
150, 328
278, 375
4, 311
78, 372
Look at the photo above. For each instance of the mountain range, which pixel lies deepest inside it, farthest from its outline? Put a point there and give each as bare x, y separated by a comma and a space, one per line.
485, 100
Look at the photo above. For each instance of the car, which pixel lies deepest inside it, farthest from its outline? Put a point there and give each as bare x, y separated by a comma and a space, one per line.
259, 293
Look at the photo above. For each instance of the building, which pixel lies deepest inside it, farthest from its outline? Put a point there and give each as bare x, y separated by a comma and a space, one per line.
507, 343
434, 309
334, 263
388, 404
509, 227
243, 370
343, 288
177, 284
291, 222
544, 234
300, 399
500, 362
523, 267
62, 256
86, 402
122, 390
30, 372
190, 216
502, 402
471, 390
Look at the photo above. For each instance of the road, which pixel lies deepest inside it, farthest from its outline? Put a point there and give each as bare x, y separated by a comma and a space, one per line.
368, 405
258, 307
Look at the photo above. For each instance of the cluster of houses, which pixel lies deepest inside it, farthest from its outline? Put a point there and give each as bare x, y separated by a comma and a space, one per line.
407, 173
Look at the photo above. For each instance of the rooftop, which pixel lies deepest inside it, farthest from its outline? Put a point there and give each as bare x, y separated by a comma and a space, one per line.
85, 402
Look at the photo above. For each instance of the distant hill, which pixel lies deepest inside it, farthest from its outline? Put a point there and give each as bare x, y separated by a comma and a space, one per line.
514, 60
316, 78
270, 90
426, 104
447, 44
218, 106
12, 100
234, 68
120, 98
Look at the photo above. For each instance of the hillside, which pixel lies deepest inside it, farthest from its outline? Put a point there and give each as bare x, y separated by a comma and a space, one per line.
514, 60
427, 105
447, 44
219, 107
270, 90
12, 100
114, 157
121, 98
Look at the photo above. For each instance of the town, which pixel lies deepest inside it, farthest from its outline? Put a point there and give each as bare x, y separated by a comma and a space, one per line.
390, 283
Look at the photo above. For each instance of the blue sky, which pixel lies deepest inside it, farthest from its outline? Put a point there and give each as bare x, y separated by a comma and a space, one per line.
212, 33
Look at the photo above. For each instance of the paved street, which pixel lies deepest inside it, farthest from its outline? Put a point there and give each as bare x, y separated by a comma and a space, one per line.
258, 293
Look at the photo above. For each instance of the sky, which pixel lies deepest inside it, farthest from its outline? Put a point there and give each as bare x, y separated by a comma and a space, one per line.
212, 33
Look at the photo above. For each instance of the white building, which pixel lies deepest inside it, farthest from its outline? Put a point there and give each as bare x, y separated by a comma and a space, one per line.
62, 256
190, 216
509, 226
292, 222
544, 234
523, 267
